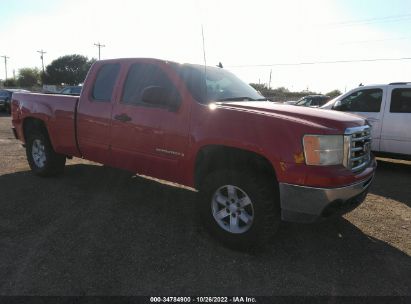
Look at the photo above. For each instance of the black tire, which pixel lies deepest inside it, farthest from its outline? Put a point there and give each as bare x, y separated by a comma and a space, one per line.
263, 193
8, 109
53, 164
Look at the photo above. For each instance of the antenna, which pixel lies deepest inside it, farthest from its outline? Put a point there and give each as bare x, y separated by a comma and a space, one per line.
204, 52
205, 61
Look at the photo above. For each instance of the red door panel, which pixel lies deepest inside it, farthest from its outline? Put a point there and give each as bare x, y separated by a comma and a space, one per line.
94, 112
150, 140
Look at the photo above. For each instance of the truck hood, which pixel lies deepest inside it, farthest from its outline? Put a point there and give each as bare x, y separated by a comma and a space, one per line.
315, 117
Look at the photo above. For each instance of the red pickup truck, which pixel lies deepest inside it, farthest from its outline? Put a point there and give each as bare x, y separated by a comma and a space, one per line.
254, 162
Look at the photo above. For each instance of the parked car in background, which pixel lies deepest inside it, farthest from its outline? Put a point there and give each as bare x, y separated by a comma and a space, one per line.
71, 90
291, 102
313, 101
388, 109
5, 98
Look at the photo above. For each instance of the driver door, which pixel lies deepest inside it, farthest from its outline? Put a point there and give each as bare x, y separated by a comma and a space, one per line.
149, 139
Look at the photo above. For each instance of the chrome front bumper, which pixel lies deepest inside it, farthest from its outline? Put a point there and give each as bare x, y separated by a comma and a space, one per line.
308, 204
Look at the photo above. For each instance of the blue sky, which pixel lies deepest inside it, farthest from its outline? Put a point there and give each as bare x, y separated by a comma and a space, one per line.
368, 9
236, 33
17, 9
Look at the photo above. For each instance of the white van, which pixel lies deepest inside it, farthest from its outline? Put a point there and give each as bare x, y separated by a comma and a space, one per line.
387, 109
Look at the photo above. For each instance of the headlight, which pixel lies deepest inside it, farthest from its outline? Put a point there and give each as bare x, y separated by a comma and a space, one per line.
323, 150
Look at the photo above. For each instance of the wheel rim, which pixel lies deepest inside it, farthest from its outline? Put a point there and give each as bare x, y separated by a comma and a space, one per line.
38, 153
232, 209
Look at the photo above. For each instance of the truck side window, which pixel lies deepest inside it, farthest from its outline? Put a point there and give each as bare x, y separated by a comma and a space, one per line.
104, 83
141, 76
361, 101
401, 101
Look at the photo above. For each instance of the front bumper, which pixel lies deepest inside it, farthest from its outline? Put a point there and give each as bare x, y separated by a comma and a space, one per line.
309, 204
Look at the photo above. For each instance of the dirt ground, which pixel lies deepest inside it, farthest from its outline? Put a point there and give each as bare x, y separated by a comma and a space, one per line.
101, 231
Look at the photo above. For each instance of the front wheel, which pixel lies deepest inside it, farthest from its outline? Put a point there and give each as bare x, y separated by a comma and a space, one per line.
42, 158
240, 209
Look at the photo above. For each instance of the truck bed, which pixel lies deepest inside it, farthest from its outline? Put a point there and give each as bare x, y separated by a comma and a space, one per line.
58, 111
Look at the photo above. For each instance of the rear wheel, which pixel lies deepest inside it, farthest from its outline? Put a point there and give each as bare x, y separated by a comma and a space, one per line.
241, 209
42, 158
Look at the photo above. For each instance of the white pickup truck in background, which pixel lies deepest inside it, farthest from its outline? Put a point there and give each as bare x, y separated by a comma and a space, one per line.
388, 109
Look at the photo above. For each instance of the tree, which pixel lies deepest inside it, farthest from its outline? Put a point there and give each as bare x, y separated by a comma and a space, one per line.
334, 93
282, 90
28, 77
280, 93
10, 82
69, 69
263, 89
258, 87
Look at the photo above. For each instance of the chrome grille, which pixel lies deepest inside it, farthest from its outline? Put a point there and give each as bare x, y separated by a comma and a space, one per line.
357, 148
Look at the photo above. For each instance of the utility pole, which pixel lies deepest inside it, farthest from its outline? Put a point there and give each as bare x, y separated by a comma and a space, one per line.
5, 63
269, 82
42, 58
99, 45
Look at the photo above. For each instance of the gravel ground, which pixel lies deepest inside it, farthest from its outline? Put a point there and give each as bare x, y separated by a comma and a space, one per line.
101, 231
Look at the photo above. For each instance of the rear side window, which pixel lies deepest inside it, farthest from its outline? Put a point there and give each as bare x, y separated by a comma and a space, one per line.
401, 101
368, 100
105, 80
141, 76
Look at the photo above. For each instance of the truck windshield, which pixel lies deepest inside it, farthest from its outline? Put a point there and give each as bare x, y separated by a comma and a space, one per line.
216, 85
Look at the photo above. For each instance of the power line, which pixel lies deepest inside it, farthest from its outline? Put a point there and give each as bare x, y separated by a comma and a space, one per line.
99, 47
5, 63
374, 40
392, 18
319, 62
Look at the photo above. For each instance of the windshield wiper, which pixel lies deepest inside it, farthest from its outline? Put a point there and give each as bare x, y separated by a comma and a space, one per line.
241, 99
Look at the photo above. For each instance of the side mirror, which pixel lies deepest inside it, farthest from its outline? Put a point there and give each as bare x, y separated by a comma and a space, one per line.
159, 96
337, 105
